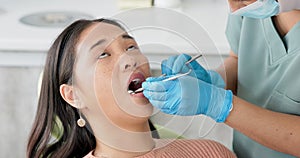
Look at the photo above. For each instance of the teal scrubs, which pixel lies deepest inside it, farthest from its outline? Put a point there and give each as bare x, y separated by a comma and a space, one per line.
268, 73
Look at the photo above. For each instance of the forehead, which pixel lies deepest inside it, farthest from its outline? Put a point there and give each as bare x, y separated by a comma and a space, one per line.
98, 31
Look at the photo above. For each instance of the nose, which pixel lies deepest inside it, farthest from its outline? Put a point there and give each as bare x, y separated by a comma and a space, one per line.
129, 65
128, 62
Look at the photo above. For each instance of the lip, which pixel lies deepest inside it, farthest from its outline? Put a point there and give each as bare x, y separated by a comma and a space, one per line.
136, 75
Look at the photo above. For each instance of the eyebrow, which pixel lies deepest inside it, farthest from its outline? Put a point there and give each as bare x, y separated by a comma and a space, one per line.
103, 40
127, 36
97, 43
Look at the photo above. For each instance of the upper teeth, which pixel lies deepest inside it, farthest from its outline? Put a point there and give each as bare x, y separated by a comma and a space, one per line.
131, 92
134, 81
137, 80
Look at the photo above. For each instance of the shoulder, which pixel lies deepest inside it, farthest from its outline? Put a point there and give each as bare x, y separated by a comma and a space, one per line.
193, 148
244, 30
202, 145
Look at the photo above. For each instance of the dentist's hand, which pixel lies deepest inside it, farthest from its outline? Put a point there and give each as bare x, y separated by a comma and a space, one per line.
176, 64
188, 96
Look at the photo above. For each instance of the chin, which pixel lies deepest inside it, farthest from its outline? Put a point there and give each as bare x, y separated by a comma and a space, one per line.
141, 101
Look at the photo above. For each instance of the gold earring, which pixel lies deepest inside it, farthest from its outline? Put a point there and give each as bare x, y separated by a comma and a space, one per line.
80, 121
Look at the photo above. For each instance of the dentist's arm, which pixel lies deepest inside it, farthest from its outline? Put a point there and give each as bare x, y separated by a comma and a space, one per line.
269, 128
275, 130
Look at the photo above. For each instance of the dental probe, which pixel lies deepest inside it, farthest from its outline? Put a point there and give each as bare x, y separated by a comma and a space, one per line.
174, 77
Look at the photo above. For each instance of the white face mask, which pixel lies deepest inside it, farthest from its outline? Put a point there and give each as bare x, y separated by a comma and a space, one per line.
288, 5
260, 9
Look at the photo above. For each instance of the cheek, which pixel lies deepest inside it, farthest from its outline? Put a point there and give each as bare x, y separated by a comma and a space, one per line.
102, 83
103, 95
107, 95
105, 80
145, 66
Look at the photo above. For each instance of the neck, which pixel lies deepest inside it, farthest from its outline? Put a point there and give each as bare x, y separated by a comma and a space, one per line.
285, 21
114, 141
124, 144
105, 151
124, 136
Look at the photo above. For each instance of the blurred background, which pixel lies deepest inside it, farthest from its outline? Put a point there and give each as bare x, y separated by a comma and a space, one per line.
29, 27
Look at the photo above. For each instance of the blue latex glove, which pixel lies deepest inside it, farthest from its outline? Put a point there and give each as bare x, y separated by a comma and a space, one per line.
176, 64
188, 96
216, 79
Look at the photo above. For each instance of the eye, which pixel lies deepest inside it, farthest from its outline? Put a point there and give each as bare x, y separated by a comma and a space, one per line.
103, 55
132, 47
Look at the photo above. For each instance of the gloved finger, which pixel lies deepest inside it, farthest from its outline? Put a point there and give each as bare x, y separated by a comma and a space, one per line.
155, 79
154, 95
164, 68
158, 86
187, 110
168, 111
167, 65
200, 72
158, 104
154, 86
158, 79
216, 79
196, 66
179, 64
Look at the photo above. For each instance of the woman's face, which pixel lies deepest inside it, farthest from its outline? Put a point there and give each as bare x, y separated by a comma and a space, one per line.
108, 65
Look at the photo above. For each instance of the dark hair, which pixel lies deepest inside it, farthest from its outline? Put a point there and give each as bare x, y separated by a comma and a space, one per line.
53, 111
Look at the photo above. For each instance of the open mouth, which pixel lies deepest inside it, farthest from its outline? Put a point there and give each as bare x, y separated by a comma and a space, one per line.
135, 83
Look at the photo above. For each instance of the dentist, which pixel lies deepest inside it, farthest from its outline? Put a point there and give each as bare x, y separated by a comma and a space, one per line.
258, 92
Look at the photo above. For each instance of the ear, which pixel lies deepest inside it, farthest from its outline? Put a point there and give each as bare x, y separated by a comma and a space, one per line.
68, 94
